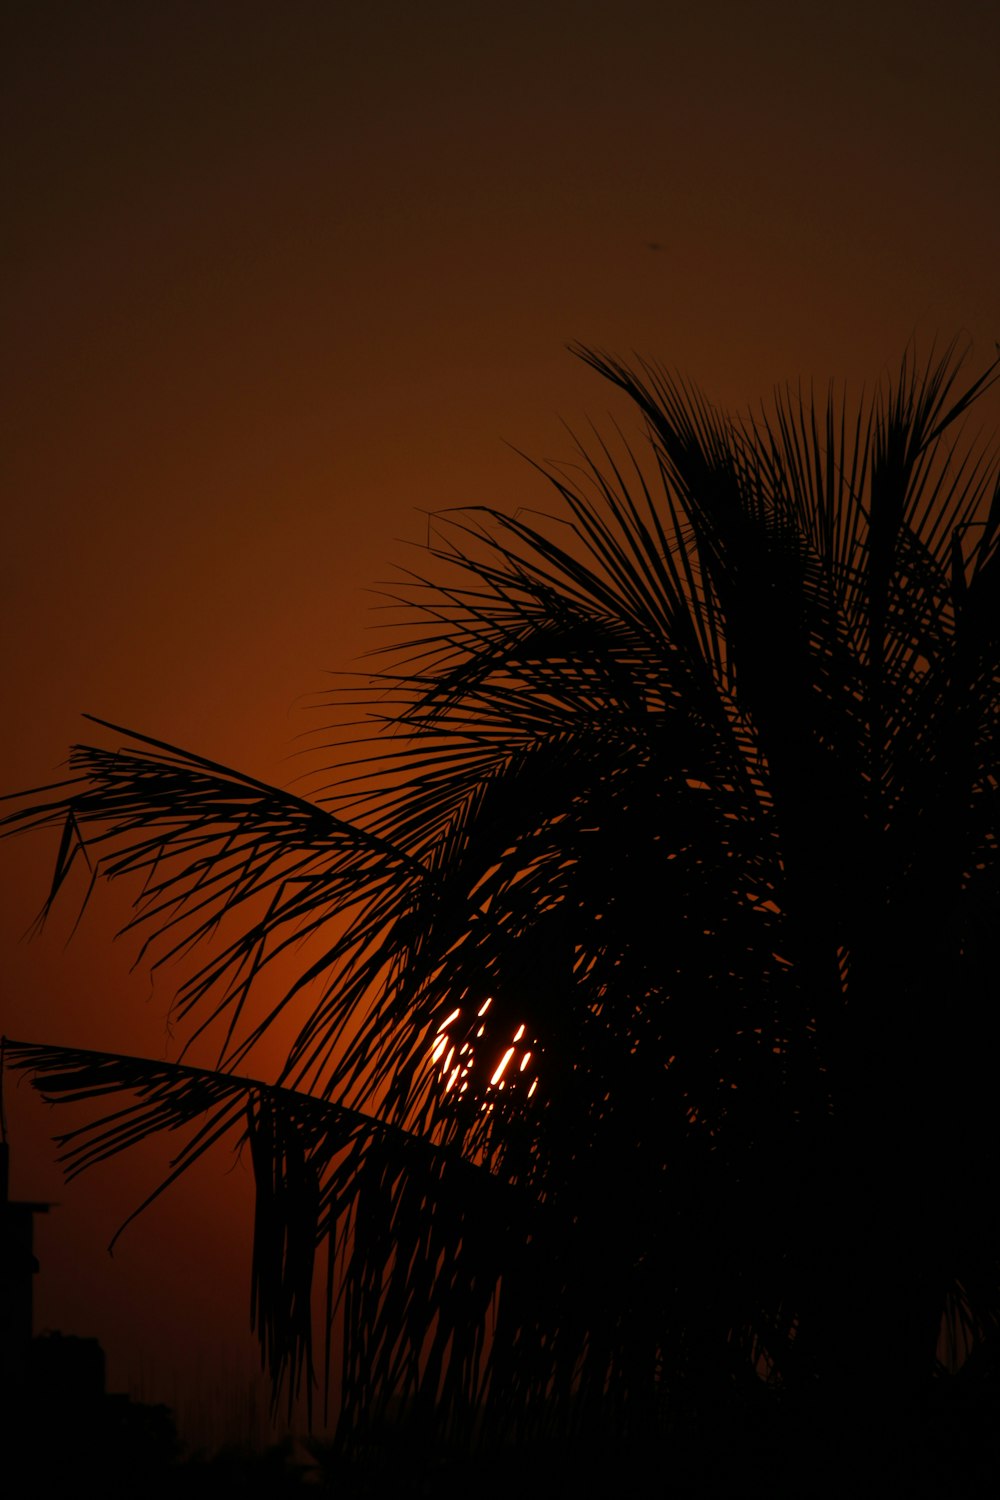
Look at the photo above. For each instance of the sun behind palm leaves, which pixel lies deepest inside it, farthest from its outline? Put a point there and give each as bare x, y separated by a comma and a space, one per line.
647, 945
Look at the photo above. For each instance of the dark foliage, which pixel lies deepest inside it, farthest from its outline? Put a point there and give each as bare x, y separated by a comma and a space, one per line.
651, 944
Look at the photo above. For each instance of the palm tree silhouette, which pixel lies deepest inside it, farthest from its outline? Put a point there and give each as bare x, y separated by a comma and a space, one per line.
640, 1075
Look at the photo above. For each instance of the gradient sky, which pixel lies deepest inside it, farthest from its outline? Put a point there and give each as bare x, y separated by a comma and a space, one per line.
278, 279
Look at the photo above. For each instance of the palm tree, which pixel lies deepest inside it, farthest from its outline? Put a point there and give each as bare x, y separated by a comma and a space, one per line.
649, 940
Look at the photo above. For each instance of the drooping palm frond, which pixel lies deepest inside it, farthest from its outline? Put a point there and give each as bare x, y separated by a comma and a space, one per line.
674, 844
325, 1178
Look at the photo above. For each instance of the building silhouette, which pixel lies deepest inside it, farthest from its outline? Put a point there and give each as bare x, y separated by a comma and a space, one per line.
58, 1422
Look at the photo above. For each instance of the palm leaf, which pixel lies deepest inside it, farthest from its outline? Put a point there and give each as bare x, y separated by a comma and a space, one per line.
325, 1177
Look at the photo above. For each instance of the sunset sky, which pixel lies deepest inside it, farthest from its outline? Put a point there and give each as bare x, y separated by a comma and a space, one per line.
279, 279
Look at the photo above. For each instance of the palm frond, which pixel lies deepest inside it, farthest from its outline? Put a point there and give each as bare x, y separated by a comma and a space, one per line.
325, 1176
209, 844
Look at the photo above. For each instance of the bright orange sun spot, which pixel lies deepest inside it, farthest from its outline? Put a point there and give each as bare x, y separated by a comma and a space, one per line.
503, 1063
455, 1058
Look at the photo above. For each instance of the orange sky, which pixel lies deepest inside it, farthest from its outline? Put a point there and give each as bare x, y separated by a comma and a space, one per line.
277, 279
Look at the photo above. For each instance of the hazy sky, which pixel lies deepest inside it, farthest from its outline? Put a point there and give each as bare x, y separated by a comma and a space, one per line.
278, 279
